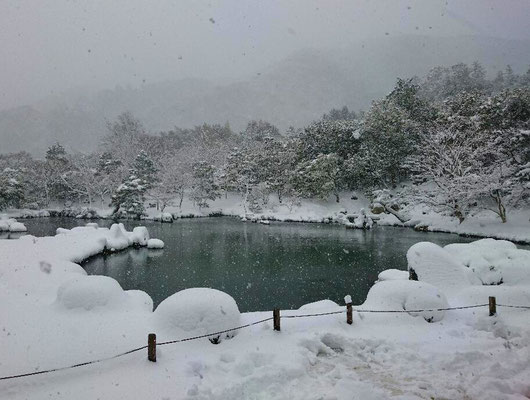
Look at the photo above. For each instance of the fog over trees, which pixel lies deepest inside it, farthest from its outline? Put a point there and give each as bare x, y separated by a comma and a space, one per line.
461, 138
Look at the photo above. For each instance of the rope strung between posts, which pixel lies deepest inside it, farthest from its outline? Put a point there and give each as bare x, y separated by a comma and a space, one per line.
133, 351
313, 315
417, 311
214, 333
73, 366
504, 305
207, 335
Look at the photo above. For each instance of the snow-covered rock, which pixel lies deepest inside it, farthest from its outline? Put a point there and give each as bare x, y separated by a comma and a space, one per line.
363, 221
117, 238
407, 295
392, 275
197, 311
139, 236
155, 244
434, 265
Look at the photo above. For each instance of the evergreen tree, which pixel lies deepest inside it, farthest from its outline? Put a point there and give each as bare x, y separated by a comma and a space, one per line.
204, 186
319, 177
11, 189
129, 197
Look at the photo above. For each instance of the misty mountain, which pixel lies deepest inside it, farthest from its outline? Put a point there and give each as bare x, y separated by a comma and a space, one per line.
294, 91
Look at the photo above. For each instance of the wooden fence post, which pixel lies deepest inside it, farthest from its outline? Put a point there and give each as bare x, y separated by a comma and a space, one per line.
493, 306
349, 309
276, 319
151, 347
349, 313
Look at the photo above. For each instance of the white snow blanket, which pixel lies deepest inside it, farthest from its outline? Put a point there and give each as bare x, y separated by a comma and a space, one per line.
53, 315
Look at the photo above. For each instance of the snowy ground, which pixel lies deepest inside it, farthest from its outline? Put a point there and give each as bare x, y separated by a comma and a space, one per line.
53, 315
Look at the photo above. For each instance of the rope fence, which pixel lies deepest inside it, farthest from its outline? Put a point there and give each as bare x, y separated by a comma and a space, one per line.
151, 345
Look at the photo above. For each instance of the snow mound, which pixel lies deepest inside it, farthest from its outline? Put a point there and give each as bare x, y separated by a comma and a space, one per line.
407, 295
155, 244
434, 265
11, 225
392, 275
89, 292
17, 227
494, 261
118, 239
320, 306
140, 300
198, 311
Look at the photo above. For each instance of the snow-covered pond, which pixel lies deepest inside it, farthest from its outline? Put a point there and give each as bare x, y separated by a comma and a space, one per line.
280, 265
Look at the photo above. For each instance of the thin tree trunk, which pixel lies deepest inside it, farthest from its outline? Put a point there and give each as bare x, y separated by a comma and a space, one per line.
501, 209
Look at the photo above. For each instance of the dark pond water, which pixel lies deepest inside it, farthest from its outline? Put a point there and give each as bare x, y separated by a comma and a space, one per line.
281, 265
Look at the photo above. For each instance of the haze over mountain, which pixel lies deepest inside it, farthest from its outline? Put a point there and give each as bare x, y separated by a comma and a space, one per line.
294, 91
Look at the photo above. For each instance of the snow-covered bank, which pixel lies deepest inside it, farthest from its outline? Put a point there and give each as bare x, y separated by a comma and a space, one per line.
483, 224
54, 315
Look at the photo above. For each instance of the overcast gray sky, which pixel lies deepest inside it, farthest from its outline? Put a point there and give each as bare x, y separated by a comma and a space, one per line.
47, 47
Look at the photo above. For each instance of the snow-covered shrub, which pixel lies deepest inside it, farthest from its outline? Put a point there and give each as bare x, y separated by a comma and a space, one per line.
164, 217
493, 261
363, 221
89, 292
407, 295
198, 311
11, 225
431, 263
17, 227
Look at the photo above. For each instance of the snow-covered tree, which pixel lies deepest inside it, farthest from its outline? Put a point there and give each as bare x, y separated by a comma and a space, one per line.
129, 197
443, 169
204, 186
123, 140
11, 188
319, 177
344, 114
260, 130
56, 165
339, 137
173, 179
82, 180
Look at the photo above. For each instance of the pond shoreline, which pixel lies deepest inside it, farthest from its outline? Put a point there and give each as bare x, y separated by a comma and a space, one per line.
441, 226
